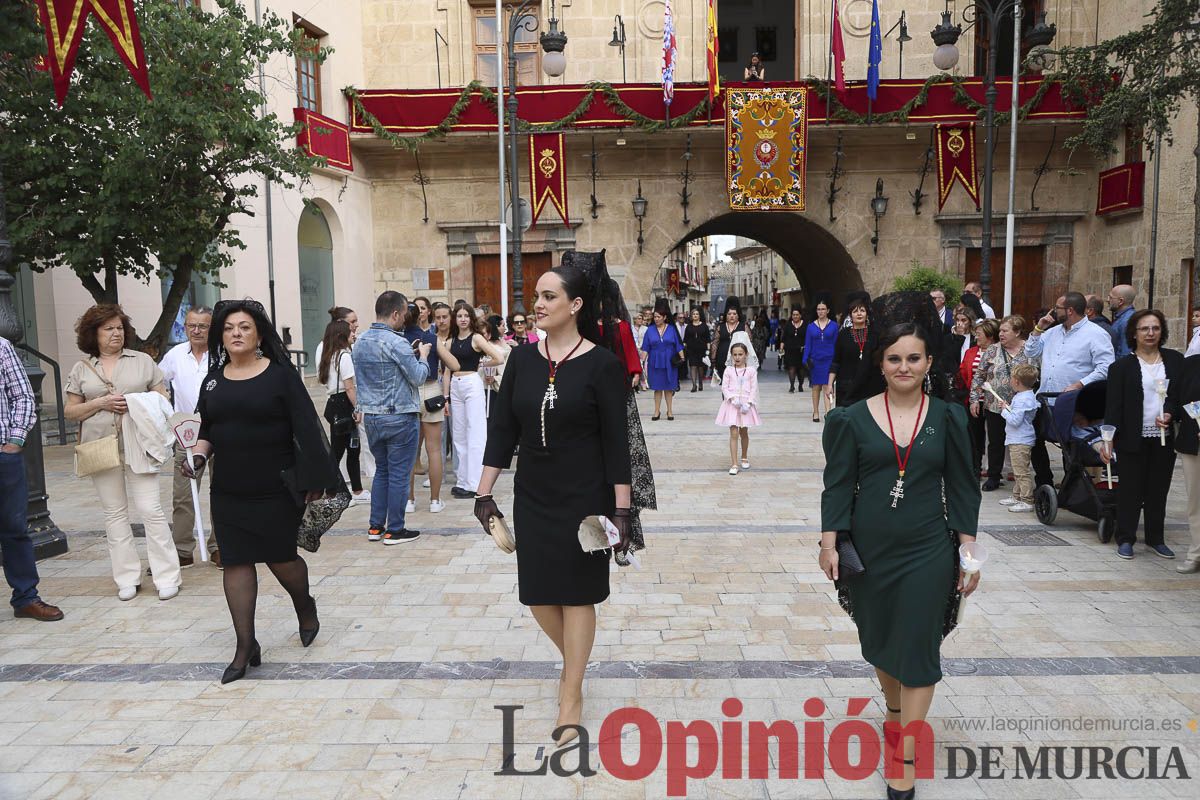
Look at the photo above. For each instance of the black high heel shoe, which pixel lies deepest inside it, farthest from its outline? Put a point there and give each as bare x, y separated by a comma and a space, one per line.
233, 673
906, 794
308, 634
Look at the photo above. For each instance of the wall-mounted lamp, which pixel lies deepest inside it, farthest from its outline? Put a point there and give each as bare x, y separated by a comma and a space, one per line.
618, 40
879, 205
639, 211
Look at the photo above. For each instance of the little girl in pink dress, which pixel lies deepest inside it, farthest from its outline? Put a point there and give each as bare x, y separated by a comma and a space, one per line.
739, 409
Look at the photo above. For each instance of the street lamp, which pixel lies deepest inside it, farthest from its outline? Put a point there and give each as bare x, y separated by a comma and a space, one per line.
554, 64
618, 40
945, 57
879, 205
639, 211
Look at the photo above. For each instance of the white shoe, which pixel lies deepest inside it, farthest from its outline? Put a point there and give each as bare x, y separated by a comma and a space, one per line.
1018, 508
745, 464
410, 506
168, 593
1188, 567
733, 470
436, 506
127, 592
363, 498
425, 483
1009, 501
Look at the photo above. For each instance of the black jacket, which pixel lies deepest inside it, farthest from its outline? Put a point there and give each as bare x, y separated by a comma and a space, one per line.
1182, 390
1123, 405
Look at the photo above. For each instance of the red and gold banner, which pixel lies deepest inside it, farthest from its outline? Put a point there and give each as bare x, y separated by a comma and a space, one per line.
322, 136
64, 21
712, 48
548, 174
1121, 188
766, 134
420, 110
956, 161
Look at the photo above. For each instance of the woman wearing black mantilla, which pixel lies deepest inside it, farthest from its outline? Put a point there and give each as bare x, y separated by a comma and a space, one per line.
564, 402
256, 414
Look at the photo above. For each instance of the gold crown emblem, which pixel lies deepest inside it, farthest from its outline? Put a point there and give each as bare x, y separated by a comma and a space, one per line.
766, 133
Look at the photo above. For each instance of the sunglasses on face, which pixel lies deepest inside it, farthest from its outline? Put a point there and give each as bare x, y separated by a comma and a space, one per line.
518, 322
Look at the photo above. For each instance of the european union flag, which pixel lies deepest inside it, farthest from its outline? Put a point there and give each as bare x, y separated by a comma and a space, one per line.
875, 55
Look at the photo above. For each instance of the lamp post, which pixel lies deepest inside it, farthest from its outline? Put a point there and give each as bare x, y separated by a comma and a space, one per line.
639, 211
48, 540
902, 24
554, 64
945, 57
618, 40
879, 205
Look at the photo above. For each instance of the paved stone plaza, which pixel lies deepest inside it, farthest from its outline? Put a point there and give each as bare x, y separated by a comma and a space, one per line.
418, 644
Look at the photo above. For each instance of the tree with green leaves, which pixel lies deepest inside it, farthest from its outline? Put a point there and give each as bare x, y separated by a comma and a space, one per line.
114, 183
921, 278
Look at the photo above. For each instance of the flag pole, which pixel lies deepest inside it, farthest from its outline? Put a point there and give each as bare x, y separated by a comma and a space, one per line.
829, 73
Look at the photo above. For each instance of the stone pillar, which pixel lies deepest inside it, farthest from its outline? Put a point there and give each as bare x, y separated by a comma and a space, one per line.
48, 540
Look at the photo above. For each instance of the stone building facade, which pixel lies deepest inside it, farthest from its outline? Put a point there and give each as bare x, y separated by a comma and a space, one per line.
428, 223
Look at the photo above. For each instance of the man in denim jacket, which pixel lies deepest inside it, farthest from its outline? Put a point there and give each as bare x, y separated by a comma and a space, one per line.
388, 374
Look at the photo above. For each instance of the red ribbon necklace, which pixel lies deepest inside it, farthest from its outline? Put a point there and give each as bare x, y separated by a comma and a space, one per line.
897, 493
861, 344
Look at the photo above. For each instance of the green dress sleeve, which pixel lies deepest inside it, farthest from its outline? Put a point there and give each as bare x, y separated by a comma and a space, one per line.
963, 495
841, 470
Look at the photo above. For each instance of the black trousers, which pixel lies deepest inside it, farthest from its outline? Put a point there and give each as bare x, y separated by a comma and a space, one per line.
977, 427
1038, 457
1145, 481
347, 444
995, 444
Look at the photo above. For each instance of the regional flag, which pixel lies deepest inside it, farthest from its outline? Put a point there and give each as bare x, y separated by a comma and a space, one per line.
713, 47
838, 48
875, 56
668, 70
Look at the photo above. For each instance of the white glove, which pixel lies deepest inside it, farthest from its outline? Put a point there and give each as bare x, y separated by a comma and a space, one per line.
745, 408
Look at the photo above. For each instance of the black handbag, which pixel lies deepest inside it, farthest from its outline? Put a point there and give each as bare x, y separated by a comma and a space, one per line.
435, 403
339, 411
849, 562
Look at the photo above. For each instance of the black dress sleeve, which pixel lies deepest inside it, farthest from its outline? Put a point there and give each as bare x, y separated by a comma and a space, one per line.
314, 468
503, 427
839, 348
1115, 395
609, 385
202, 409
963, 494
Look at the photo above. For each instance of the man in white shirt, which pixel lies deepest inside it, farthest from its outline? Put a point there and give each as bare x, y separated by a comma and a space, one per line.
1073, 354
184, 368
946, 315
977, 290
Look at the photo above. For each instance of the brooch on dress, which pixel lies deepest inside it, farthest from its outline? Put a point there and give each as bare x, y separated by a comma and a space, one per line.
930, 430
208, 387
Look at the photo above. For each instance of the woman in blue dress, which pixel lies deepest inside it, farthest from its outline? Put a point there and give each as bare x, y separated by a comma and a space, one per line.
819, 343
662, 344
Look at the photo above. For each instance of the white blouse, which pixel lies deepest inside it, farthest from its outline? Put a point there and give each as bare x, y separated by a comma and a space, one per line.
1152, 404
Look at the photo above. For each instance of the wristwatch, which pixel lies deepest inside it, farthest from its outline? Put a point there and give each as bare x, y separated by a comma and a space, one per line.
17, 440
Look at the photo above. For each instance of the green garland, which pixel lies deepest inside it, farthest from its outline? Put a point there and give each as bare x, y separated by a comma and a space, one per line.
640, 121
488, 95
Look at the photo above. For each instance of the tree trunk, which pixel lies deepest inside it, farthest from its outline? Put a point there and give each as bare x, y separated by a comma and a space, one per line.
181, 278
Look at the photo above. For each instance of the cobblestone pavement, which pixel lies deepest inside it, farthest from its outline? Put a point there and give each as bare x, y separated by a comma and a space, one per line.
420, 643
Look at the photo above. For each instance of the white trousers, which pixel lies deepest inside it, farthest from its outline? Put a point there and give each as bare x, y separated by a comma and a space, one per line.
118, 488
1191, 474
468, 417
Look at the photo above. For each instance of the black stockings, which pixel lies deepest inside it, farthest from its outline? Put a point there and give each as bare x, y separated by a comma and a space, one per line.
241, 593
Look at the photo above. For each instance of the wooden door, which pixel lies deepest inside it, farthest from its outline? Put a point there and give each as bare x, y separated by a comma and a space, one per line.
1028, 264
487, 278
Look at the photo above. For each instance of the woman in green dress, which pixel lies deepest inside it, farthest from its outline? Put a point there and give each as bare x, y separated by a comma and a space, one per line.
889, 462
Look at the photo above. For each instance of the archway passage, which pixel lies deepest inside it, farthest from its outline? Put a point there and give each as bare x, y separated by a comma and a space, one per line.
820, 261
315, 254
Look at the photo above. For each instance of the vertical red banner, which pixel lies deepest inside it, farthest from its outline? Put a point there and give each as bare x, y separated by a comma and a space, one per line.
64, 21
956, 160
548, 174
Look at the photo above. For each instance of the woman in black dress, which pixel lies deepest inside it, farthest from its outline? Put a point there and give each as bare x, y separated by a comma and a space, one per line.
731, 324
852, 353
696, 338
760, 335
564, 402
256, 413
791, 345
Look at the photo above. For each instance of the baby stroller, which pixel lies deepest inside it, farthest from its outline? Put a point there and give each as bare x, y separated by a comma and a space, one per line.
1079, 492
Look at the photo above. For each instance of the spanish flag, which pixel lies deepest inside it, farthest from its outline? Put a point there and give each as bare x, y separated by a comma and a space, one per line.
714, 78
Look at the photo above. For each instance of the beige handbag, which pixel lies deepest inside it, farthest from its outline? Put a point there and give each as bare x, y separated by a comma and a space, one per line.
501, 534
100, 454
592, 537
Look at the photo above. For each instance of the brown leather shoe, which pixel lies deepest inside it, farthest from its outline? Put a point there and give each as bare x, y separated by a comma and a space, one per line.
42, 612
215, 558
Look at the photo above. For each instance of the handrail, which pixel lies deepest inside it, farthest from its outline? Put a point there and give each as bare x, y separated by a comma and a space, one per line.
62, 422
300, 359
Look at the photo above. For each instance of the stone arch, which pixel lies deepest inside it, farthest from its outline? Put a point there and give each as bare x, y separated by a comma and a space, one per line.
820, 261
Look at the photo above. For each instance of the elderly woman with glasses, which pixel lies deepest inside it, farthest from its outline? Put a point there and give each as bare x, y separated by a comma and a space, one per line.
1141, 410
519, 331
